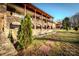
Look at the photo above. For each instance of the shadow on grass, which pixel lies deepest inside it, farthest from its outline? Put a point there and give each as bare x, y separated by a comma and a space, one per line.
76, 32
58, 40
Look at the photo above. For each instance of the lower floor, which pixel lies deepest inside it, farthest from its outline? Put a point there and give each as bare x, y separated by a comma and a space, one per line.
35, 32
41, 31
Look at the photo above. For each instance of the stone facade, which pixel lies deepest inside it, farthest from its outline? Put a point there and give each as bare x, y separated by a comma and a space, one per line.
6, 47
41, 21
10, 17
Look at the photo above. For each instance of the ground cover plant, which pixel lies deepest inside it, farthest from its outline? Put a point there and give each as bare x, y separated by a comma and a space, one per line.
60, 43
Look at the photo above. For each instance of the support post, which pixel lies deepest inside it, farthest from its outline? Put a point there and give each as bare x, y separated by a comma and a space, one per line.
35, 19
25, 9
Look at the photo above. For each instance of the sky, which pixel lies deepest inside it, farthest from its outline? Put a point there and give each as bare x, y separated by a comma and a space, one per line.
59, 10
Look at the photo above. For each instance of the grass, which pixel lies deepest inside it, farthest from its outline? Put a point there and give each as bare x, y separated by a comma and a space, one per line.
61, 43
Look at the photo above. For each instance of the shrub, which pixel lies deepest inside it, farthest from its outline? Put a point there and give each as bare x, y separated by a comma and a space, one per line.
10, 37
76, 28
25, 32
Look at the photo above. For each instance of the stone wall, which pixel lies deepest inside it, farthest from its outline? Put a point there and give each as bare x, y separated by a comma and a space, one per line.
1, 21
6, 47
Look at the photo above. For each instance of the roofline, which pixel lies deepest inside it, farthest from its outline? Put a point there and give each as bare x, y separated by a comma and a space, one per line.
42, 11
35, 8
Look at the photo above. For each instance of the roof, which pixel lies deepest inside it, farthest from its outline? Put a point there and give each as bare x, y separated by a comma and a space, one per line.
33, 8
38, 10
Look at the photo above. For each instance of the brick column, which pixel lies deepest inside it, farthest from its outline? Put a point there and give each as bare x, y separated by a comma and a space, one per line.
5, 25
25, 9
35, 19
42, 21
46, 23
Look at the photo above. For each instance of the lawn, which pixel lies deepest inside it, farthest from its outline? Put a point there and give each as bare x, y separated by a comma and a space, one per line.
60, 43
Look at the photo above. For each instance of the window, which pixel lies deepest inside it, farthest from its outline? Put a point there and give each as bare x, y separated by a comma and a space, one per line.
13, 26
38, 27
33, 26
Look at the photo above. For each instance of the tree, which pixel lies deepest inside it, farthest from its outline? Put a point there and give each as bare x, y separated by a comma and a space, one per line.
25, 32
65, 23
76, 28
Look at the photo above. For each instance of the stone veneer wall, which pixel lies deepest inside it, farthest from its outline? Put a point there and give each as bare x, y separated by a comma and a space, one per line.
6, 47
